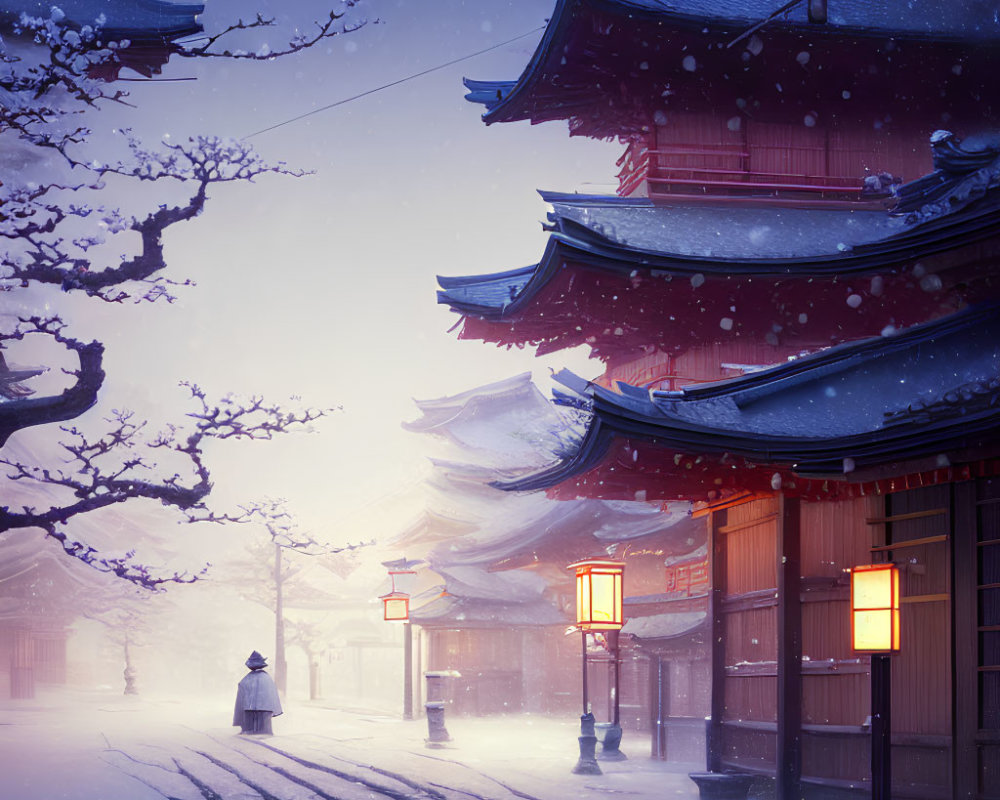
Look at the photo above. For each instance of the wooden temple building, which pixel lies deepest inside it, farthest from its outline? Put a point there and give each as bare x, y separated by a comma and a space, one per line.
500, 608
795, 298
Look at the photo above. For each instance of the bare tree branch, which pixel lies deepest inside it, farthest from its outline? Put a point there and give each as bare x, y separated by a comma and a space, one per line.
74, 400
325, 29
115, 467
58, 232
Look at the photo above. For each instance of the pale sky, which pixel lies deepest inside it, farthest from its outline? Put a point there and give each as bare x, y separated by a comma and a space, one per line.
324, 286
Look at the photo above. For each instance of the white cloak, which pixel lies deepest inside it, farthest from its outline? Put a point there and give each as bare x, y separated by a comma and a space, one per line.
256, 692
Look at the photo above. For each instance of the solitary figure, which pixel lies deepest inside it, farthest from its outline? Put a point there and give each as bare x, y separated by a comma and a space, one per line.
256, 698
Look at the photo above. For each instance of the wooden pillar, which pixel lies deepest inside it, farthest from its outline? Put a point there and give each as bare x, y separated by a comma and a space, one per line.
407, 671
965, 675
789, 745
659, 696
881, 667
717, 571
22, 665
421, 661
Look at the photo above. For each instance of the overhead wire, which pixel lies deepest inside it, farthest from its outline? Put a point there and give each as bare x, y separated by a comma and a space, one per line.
394, 83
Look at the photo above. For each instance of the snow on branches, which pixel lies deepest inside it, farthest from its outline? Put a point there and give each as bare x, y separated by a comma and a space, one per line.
38, 98
74, 400
284, 530
333, 25
38, 214
58, 228
124, 463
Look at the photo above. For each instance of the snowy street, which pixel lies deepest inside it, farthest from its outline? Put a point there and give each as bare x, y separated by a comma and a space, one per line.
75, 745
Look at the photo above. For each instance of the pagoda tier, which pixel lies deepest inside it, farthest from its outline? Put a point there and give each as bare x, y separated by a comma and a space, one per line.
488, 529
507, 424
609, 66
474, 598
628, 277
570, 530
916, 402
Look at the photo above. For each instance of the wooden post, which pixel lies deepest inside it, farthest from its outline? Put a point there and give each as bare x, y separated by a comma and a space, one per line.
22, 665
418, 701
881, 727
659, 672
965, 721
407, 671
789, 745
881, 697
717, 571
616, 654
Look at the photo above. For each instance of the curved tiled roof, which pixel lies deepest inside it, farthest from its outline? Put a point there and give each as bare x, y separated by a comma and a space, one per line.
620, 234
850, 407
138, 20
590, 46
620, 274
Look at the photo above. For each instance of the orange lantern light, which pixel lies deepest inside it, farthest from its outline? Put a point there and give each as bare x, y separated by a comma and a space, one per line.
875, 608
599, 594
396, 604
395, 607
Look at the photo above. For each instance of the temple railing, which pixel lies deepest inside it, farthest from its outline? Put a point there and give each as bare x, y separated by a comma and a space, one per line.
720, 171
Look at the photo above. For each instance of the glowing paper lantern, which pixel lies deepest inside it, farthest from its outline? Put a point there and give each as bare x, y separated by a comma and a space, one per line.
396, 607
599, 594
396, 604
875, 608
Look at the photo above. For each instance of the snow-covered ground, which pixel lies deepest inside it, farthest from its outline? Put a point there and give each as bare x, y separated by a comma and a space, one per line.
77, 745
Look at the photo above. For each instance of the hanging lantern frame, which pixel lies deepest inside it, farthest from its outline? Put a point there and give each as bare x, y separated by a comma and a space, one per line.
395, 607
599, 594
396, 604
875, 621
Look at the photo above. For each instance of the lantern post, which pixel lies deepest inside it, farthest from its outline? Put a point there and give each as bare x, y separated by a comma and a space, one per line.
875, 630
396, 608
598, 609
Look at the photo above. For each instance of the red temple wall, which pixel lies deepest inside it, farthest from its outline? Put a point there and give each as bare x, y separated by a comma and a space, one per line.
712, 146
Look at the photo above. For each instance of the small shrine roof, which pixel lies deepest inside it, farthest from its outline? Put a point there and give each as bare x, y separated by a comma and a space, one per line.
449, 610
135, 19
665, 626
12, 377
930, 392
473, 597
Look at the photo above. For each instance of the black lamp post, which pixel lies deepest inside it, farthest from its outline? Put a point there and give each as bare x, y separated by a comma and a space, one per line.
875, 630
598, 608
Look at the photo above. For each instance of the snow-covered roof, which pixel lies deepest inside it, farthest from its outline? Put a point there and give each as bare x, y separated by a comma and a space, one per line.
449, 611
570, 529
509, 423
623, 274
931, 392
474, 598
603, 64
665, 626
622, 234
137, 20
